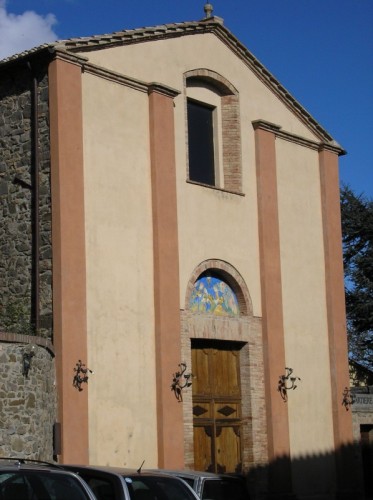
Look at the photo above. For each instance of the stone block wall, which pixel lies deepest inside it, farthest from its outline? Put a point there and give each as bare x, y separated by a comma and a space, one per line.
16, 223
27, 403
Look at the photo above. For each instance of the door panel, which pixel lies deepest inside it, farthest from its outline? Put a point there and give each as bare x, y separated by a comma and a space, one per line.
224, 373
228, 449
226, 410
203, 443
216, 407
201, 381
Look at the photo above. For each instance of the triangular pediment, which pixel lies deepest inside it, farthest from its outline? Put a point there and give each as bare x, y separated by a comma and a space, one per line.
212, 25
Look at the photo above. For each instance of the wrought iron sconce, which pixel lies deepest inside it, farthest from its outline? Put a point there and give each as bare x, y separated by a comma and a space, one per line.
27, 356
80, 376
348, 398
180, 381
287, 383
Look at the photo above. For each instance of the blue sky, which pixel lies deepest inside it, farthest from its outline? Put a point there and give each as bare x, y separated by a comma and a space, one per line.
320, 50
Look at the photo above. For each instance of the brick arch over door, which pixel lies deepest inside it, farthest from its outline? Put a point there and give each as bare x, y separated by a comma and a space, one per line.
245, 331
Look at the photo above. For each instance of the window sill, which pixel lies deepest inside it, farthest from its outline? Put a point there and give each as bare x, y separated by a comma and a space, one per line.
215, 188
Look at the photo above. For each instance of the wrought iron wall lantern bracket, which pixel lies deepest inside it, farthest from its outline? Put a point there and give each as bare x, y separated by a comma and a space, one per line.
287, 383
348, 399
81, 375
180, 381
27, 356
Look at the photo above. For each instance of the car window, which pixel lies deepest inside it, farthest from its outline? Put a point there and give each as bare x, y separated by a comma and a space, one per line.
101, 487
39, 485
157, 487
223, 489
188, 480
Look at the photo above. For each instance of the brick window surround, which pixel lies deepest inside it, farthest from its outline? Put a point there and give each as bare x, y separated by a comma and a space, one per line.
230, 123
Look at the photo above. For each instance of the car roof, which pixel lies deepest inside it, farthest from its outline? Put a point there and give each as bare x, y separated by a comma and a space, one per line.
25, 464
195, 474
121, 471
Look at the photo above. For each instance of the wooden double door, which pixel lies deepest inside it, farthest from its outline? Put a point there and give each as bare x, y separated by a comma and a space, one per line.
217, 406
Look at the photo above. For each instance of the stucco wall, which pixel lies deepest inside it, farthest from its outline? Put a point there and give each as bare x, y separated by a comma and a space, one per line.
203, 214
167, 60
122, 423
212, 224
304, 303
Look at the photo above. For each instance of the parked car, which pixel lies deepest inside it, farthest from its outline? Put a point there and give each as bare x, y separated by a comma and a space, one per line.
209, 486
22, 479
114, 483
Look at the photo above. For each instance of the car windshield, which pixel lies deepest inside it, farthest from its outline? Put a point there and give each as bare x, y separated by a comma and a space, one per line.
39, 485
157, 487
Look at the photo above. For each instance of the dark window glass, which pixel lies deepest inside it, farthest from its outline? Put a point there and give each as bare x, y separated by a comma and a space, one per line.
157, 488
188, 480
102, 488
224, 489
38, 485
201, 143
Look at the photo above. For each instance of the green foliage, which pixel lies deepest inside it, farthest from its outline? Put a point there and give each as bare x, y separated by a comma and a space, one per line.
357, 228
15, 318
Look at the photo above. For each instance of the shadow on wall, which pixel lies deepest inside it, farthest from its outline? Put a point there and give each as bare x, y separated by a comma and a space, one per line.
344, 475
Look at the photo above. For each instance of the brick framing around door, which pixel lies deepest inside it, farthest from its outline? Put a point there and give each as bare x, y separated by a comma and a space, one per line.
246, 329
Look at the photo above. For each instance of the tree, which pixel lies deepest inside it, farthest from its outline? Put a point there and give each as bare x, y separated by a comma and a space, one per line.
357, 229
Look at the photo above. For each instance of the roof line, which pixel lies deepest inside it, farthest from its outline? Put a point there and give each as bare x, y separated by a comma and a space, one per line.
209, 25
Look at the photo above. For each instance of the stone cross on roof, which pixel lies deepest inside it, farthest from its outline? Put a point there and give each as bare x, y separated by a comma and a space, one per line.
208, 8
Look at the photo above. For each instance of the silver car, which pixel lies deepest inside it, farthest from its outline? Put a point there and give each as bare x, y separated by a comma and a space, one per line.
31, 480
210, 486
114, 483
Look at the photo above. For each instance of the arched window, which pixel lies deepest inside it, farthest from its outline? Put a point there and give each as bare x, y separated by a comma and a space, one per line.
214, 139
213, 296
220, 271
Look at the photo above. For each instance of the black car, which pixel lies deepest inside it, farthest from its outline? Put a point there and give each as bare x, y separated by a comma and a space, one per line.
114, 483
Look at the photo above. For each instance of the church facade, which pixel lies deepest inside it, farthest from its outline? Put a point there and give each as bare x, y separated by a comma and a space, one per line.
190, 276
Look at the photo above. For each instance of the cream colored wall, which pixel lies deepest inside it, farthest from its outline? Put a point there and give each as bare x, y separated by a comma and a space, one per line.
166, 60
212, 224
119, 275
304, 303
